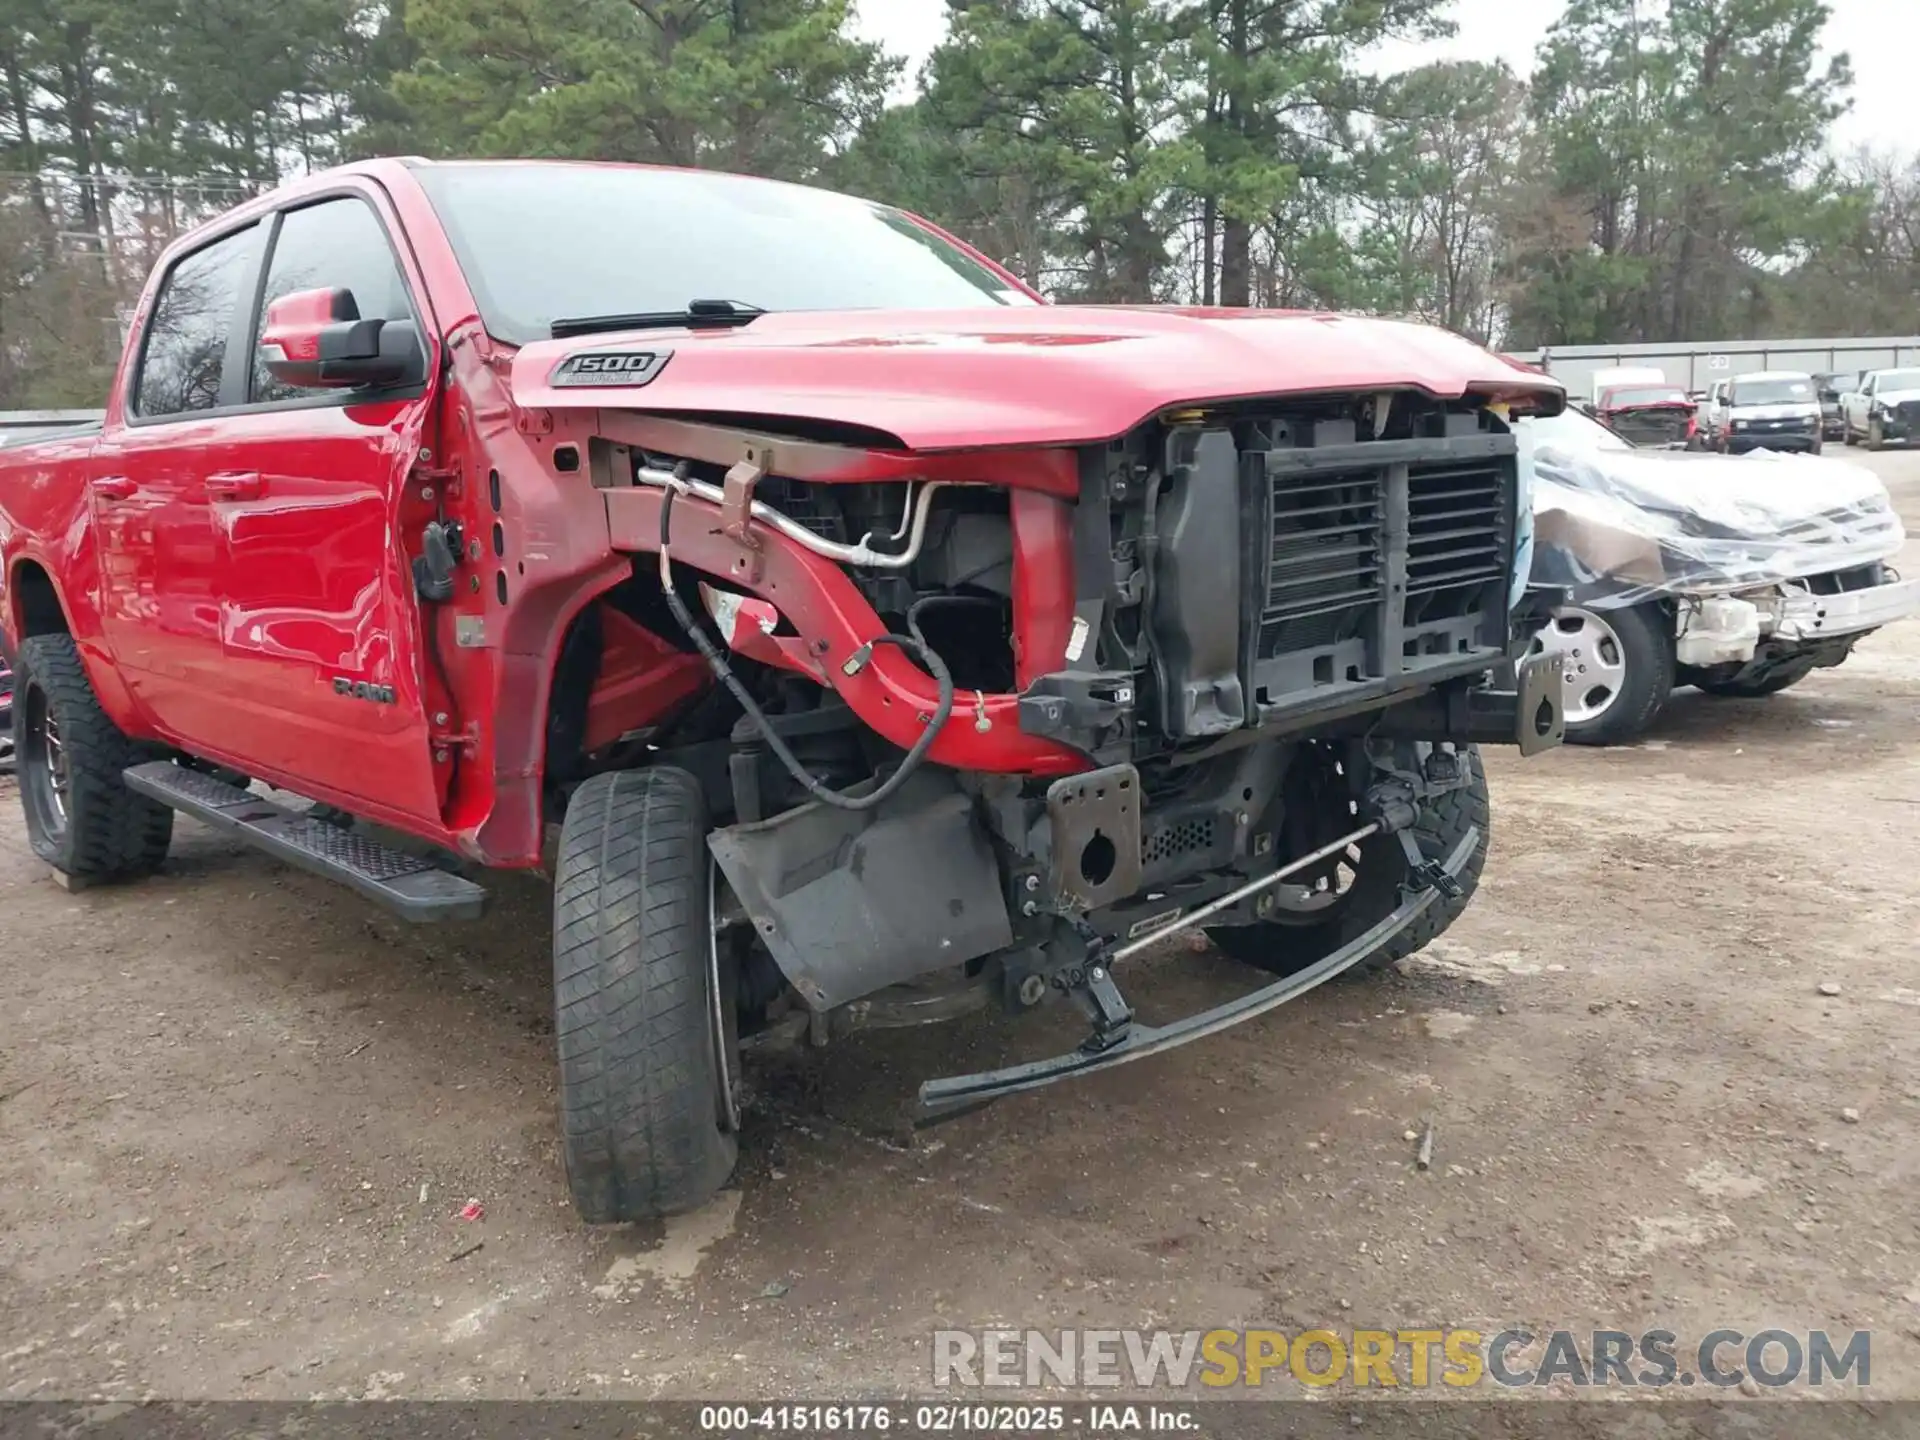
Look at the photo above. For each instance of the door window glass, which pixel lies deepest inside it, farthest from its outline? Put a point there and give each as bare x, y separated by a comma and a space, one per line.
337, 244
186, 347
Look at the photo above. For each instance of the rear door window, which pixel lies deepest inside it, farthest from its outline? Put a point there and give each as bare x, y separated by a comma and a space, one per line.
336, 244
185, 353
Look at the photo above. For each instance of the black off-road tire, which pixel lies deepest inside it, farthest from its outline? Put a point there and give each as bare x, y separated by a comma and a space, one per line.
107, 832
641, 1073
1286, 947
1646, 645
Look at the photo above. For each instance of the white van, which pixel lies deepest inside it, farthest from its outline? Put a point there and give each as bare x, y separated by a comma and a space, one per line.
1767, 410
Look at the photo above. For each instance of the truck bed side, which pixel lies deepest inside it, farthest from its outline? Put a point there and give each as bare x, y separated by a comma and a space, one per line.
48, 556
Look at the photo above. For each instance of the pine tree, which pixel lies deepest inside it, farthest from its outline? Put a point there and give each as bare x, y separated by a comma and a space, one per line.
769, 86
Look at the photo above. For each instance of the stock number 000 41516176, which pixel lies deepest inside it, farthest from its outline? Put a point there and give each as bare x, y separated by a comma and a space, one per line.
926, 1419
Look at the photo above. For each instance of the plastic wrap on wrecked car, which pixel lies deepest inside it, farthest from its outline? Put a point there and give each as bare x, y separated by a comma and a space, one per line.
1619, 527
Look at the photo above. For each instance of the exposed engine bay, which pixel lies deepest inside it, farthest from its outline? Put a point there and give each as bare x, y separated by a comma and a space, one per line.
1239, 636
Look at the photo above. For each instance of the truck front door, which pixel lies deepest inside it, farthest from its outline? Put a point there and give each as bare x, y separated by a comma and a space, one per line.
1858, 408
318, 626
1716, 409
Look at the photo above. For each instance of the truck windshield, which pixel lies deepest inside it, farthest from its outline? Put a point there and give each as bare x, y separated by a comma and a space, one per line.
1772, 392
1898, 380
541, 243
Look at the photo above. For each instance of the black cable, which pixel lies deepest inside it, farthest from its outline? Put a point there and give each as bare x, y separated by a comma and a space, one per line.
430, 628
928, 602
912, 644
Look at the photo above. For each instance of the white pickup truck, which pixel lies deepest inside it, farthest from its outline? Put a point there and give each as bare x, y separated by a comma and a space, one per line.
1885, 407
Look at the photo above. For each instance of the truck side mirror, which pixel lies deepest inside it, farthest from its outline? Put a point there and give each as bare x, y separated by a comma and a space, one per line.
315, 339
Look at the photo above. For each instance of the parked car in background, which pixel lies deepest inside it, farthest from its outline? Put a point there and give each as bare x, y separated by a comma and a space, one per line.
1659, 417
1769, 409
1885, 407
1737, 576
1616, 377
1832, 388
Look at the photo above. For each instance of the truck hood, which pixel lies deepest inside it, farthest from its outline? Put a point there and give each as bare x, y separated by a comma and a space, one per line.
1895, 397
1044, 375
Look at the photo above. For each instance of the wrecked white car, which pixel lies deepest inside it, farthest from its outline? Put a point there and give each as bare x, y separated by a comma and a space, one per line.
1739, 576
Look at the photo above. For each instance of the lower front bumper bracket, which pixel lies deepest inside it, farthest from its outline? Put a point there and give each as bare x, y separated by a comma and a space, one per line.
943, 1099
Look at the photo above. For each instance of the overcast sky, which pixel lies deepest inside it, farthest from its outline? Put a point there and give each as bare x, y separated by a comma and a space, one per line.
1881, 36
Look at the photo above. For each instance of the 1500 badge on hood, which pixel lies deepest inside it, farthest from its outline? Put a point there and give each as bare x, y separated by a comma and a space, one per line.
610, 367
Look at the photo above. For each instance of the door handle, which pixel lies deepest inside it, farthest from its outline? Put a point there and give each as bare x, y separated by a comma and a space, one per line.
113, 487
235, 485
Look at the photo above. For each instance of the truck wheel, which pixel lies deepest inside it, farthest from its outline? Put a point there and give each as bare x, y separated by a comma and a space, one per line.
1876, 437
81, 817
647, 1053
1362, 887
1771, 684
1619, 669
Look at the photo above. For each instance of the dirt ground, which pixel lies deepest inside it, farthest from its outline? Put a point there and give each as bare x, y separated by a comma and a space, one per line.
240, 1111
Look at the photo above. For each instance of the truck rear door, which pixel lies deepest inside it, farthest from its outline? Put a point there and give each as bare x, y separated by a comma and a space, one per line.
158, 599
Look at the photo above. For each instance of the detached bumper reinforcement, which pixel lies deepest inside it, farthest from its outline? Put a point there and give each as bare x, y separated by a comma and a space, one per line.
942, 1099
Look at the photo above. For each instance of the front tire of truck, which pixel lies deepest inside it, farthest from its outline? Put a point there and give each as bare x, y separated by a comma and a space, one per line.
1311, 924
645, 1066
71, 761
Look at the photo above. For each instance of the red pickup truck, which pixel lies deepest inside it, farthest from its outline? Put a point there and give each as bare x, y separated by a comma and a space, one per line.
882, 641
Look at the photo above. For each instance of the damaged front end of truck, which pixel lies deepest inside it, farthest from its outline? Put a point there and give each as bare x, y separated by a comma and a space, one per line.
998, 719
854, 637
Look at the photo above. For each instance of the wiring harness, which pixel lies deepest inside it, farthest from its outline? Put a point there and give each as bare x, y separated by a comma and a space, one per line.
913, 644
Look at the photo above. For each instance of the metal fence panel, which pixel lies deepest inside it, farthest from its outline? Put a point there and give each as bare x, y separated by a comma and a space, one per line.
1698, 364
